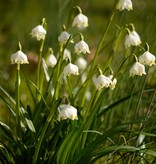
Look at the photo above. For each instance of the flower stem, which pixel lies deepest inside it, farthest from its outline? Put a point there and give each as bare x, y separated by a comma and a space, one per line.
49, 118
70, 87
39, 69
98, 51
18, 98
103, 38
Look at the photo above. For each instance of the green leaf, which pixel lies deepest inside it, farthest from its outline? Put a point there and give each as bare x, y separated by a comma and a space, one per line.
27, 119
100, 140
5, 156
7, 132
107, 150
7, 95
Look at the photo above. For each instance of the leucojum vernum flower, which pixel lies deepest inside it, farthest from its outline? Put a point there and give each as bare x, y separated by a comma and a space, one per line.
85, 102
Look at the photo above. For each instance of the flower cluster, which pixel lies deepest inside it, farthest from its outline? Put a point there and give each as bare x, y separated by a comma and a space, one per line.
103, 81
138, 68
81, 47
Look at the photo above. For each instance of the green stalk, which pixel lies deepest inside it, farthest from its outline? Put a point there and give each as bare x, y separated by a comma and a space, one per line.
97, 52
49, 118
40, 142
140, 97
91, 110
18, 98
39, 69
69, 86
103, 38
56, 93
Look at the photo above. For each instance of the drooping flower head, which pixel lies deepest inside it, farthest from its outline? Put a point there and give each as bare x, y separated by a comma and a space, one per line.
81, 47
70, 69
102, 81
38, 32
132, 39
147, 58
67, 111
80, 21
113, 83
137, 69
81, 63
67, 54
19, 58
63, 37
51, 60
124, 4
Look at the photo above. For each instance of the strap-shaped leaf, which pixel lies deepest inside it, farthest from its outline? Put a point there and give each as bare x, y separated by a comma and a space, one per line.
27, 119
5, 156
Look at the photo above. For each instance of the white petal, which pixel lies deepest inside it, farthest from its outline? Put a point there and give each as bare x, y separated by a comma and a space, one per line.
19, 57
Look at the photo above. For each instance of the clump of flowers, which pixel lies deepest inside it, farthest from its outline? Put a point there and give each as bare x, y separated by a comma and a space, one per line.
102, 81
93, 97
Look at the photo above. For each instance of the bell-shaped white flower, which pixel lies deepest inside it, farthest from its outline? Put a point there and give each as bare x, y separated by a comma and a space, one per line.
70, 69
147, 59
67, 54
81, 47
81, 63
51, 60
137, 69
19, 58
140, 139
38, 32
132, 39
80, 21
124, 4
102, 81
67, 111
63, 37
113, 83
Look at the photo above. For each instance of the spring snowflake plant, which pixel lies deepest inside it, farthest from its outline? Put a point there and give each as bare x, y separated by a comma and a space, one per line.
69, 120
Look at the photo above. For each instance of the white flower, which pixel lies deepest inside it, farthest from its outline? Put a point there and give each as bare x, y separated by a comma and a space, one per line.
38, 32
124, 4
81, 63
81, 47
71, 69
102, 81
132, 39
140, 139
67, 111
80, 21
51, 60
113, 83
137, 69
147, 59
63, 37
19, 58
67, 54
